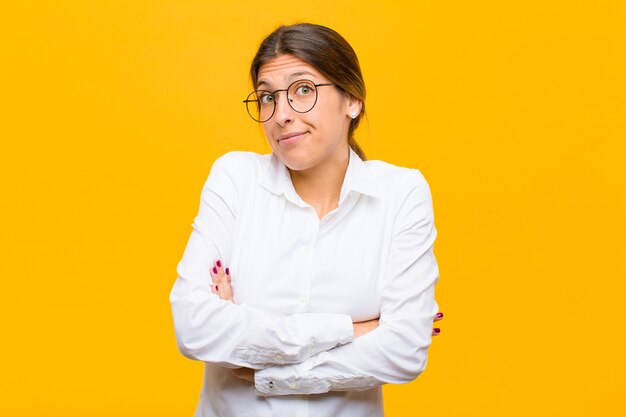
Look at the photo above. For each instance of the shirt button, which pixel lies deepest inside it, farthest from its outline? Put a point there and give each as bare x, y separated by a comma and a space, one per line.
293, 385
308, 250
270, 385
302, 299
279, 357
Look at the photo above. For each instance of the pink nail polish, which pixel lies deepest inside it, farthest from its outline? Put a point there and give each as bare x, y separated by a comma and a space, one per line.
227, 271
439, 315
214, 270
219, 263
218, 288
436, 330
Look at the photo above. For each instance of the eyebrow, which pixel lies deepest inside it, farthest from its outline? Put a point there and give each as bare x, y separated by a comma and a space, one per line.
295, 74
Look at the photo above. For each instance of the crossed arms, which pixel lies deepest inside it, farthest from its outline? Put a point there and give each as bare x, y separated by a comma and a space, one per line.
307, 353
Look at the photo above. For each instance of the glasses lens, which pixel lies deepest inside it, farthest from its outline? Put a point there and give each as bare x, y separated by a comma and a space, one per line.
302, 95
260, 105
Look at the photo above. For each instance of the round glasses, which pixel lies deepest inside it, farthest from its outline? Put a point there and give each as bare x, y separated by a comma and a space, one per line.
301, 96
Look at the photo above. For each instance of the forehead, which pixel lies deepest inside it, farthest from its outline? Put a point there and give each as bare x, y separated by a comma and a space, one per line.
284, 68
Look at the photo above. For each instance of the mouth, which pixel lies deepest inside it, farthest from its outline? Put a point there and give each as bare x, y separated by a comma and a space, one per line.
291, 137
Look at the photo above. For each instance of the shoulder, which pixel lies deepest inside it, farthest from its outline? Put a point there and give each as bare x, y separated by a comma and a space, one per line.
240, 164
241, 161
398, 182
235, 170
409, 195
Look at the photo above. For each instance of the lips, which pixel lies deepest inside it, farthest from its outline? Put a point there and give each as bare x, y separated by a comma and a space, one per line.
289, 135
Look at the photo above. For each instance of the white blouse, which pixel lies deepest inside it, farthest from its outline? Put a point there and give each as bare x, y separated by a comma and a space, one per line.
299, 282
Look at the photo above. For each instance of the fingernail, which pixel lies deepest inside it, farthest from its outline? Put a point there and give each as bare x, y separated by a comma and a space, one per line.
218, 288
227, 271
439, 315
214, 270
219, 263
436, 330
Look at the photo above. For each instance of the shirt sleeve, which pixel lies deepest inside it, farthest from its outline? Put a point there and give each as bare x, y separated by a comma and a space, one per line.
213, 330
396, 351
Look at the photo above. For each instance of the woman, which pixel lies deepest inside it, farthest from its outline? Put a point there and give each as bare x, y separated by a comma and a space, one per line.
329, 289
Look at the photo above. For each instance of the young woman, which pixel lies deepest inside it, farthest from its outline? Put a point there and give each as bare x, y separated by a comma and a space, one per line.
308, 280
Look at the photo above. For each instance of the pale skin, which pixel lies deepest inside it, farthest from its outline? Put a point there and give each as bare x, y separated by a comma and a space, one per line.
317, 158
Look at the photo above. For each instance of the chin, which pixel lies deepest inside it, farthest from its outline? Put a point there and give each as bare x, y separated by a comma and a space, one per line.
298, 161
297, 165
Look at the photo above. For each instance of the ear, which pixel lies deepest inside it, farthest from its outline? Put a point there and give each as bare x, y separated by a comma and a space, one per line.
353, 106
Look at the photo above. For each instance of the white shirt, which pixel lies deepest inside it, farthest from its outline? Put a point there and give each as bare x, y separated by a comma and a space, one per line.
299, 282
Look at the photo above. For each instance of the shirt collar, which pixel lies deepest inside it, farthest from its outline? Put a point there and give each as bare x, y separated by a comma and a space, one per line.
276, 179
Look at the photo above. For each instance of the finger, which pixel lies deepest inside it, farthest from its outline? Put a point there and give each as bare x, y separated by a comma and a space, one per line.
218, 269
221, 281
438, 316
213, 271
216, 274
436, 331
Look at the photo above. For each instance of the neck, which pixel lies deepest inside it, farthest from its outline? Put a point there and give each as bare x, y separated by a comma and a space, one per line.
320, 186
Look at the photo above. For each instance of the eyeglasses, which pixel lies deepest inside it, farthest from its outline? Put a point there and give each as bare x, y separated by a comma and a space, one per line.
301, 96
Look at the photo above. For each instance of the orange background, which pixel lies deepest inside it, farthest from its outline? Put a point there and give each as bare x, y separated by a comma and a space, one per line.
113, 113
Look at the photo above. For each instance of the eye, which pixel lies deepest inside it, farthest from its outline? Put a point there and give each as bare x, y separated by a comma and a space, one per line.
266, 98
304, 89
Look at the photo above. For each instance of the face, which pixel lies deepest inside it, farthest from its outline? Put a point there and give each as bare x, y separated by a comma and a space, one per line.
322, 133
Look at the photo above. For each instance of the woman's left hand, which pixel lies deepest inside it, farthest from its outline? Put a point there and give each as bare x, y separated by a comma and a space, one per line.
222, 286
221, 281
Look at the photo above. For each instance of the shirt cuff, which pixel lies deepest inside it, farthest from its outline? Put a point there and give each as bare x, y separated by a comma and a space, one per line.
318, 375
317, 332
344, 331
287, 380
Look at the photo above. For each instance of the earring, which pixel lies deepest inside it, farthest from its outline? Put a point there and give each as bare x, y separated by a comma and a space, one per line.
354, 115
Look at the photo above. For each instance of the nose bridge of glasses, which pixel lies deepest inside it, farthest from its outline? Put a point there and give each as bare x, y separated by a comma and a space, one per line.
280, 104
275, 95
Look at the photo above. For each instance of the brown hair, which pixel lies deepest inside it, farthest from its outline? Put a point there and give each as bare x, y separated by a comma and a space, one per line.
324, 49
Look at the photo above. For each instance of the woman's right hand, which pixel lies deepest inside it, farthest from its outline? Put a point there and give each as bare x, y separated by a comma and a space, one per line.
364, 327
436, 330
222, 286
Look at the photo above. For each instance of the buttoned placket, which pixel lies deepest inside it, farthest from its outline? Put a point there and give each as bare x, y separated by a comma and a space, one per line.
308, 259
315, 228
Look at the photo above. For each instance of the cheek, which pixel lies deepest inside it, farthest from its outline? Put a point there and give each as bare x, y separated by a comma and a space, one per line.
333, 120
268, 131
268, 138
334, 111
326, 117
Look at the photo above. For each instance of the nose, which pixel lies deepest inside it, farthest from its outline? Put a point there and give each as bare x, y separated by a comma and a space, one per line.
283, 113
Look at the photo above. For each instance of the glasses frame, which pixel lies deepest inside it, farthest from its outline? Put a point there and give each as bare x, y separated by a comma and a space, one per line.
286, 90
